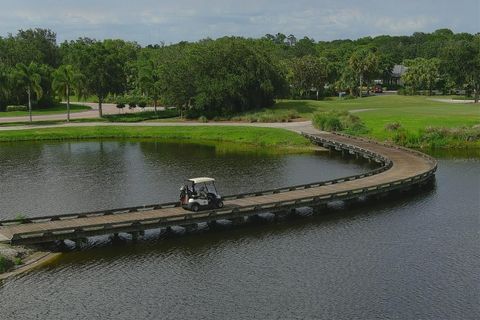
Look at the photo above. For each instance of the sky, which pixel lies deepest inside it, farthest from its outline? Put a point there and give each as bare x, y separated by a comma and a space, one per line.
150, 21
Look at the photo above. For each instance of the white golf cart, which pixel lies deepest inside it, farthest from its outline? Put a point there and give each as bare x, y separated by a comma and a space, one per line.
200, 193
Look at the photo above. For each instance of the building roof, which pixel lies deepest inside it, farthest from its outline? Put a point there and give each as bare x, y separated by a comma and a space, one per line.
398, 70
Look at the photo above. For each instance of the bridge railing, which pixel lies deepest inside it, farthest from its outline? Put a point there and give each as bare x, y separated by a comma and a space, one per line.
223, 213
389, 145
386, 164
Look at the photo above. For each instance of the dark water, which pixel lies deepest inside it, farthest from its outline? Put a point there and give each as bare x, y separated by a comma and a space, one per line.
54, 178
410, 257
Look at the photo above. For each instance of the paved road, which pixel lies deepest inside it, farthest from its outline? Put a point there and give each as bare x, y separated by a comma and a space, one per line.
107, 108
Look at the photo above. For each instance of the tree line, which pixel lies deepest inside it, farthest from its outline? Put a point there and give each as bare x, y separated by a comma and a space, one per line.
230, 74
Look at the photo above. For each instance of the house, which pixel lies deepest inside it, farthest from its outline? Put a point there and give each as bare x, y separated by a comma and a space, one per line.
397, 72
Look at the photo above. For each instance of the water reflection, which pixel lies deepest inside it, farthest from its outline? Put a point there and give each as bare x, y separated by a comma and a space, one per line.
62, 177
411, 257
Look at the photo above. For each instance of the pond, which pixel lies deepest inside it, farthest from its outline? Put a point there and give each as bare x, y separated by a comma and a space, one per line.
407, 257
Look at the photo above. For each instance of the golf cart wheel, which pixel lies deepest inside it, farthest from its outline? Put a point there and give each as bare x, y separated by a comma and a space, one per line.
195, 207
220, 204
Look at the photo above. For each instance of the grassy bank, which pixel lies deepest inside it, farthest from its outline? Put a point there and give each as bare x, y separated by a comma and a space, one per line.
56, 109
422, 122
262, 137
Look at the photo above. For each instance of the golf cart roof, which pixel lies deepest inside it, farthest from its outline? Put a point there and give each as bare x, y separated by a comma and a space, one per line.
201, 180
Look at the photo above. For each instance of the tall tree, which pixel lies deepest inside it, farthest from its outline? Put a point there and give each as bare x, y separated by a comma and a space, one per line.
29, 79
421, 74
461, 61
308, 73
104, 65
66, 79
363, 62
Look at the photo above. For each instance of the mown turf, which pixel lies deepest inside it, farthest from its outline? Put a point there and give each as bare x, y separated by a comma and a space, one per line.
264, 137
57, 109
414, 113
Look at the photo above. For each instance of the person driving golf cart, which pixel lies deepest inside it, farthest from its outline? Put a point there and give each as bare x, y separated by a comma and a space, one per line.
200, 193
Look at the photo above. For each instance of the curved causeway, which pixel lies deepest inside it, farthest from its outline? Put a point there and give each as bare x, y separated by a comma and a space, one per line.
400, 168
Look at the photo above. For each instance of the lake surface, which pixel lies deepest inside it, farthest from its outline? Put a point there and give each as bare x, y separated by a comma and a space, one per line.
408, 257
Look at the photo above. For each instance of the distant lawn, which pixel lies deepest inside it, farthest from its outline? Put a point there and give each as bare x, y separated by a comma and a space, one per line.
49, 122
56, 109
414, 113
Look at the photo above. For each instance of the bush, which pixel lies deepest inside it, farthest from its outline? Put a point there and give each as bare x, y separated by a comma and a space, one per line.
120, 105
18, 261
393, 126
353, 124
459, 134
5, 264
142, 104
339, 121
268, 116
203, 119
141, 116
16, 108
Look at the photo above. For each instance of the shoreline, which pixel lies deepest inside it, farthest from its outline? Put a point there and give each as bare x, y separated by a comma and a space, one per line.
197, 132
37, 258
34, 259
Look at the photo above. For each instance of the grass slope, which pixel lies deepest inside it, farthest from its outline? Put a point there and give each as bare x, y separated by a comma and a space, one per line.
264, 137
414, 113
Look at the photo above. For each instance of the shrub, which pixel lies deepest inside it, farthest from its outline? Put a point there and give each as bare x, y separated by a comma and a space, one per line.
353, 124
339, 121
142, 104
120, 105
141, 116
21, 218
393, 126
203, 119
17, 108
459, 134
268, 116
5, 264
18, 261
132, 105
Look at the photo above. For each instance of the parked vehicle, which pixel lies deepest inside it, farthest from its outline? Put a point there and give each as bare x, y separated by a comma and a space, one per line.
200, 193
377, 89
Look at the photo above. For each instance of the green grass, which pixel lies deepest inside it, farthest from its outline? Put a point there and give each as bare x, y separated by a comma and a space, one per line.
414, 113
57, 109
49, 122
261, 137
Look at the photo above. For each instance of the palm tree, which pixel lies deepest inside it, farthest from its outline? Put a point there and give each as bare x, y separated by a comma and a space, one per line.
4, 85
29, 79
65, 78
363, 62
148, 81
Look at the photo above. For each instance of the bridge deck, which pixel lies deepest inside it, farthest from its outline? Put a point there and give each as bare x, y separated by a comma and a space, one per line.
405, 164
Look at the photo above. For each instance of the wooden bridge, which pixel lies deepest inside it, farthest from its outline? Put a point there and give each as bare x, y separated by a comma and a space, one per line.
400, 168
